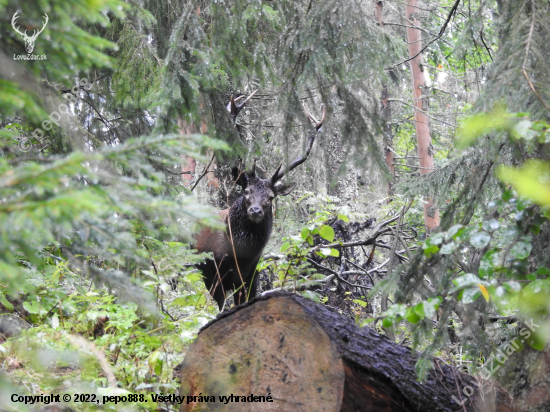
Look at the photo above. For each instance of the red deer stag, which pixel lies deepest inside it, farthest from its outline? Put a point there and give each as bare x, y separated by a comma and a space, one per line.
248, 221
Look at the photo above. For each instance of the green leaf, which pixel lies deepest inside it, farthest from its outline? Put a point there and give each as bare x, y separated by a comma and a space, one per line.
468, 279
325, 251
481, 124
470, 295
334, 252
523, 130
55, 321
490, 225
430, 250
431, 305
419, 309
305, 233
285, 247
521, 249
327, 233
189, 300
488, 262
437, 238
537, 341
532, 180
453, 231
523, 203
507, 195
311, 295
510, 234
412, 316
500, 291
513, 286
155, 362
448, 248
360, 302
174, 244
480, 239
537, 286
192, 278
343, 217
32, 307
465, 232
5, 302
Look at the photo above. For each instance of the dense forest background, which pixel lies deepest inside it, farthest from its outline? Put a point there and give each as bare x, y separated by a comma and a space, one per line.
422, 211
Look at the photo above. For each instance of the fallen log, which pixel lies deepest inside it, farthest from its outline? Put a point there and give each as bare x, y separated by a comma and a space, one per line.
282, 352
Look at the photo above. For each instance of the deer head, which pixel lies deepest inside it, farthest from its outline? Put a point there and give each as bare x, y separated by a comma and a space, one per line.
258, 193
29, 40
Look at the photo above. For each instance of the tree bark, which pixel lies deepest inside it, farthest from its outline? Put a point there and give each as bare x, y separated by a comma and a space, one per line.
424, 140
378, 12
385, 110
188, 164
308, 358
388, 137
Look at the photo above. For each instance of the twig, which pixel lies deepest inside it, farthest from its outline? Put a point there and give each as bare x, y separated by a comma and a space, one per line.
370, 241
379, 267
362, 270
449, 17
384, 299
205, 171
83, 343
235, 256
485, 44
318, 266
423, 112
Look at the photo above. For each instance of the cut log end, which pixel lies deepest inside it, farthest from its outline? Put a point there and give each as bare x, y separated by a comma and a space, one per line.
270, 348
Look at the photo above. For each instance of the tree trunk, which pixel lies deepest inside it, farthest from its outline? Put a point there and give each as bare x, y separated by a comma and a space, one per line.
188, 164
388, 137
308, 358
385, 111
425, 149
378, 9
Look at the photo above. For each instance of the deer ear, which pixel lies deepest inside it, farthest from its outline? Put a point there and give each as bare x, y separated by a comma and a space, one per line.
284, 189
239, 177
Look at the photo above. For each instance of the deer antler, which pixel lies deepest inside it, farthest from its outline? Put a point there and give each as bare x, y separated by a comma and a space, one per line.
13, 19
278, 175
37, 32
317, 123
25, 35
234, 109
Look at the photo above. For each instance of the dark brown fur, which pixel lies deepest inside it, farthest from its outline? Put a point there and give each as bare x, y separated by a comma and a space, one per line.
238, 249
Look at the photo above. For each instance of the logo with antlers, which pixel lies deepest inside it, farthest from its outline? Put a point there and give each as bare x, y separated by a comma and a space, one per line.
29, 40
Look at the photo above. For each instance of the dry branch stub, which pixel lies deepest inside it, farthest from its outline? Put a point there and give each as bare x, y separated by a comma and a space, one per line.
308, 358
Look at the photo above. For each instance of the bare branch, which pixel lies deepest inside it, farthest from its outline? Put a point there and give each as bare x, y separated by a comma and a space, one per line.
278, 175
